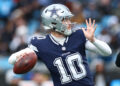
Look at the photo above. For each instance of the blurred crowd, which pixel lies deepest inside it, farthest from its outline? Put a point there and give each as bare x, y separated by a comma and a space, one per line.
20, 19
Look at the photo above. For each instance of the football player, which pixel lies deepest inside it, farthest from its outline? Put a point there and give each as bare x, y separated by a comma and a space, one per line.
63, 50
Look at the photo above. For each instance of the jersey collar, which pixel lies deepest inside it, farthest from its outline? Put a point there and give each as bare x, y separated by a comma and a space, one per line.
55, 42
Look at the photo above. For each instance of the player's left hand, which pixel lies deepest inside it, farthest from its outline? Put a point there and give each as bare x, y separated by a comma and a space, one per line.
89, 32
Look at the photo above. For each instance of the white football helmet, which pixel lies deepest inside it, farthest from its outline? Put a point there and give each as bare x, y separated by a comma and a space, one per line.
52, 17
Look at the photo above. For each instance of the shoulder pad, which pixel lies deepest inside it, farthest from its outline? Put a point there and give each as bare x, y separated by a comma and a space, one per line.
75, 28
35, 38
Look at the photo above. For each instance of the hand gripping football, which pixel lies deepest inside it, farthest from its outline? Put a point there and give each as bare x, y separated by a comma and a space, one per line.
25, 63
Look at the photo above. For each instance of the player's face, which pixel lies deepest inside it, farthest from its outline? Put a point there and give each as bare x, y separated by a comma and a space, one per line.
67, 23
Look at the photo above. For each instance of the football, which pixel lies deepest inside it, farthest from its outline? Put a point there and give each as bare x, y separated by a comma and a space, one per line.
25, 63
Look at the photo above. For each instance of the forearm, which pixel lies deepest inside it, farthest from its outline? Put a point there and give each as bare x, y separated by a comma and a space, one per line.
13, 58
99, 47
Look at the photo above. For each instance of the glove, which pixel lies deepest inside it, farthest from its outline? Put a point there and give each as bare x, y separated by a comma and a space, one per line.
14, 57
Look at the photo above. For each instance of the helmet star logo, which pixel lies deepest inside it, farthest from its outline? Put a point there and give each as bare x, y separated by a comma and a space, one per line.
54, 12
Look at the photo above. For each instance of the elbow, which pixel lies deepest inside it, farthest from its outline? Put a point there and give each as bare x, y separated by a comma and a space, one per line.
108, 52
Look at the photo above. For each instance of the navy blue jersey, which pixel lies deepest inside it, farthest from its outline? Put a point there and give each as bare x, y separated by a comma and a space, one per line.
67, 64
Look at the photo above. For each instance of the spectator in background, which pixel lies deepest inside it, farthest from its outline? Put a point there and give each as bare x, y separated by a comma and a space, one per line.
21, 33
100, 79
113, 25
27, 83
4, 48
42, 79
8, 32
104, 7
116, 11
77, 9
44, 2
6, 37
12, 79
105, 36
91, 11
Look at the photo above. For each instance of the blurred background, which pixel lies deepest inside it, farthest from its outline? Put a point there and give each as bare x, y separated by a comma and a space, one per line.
20, 19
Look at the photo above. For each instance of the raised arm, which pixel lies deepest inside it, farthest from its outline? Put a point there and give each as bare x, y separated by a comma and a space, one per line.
99, 47
94, 44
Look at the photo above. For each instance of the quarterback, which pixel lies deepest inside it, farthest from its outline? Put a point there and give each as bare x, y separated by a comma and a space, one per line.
63, 49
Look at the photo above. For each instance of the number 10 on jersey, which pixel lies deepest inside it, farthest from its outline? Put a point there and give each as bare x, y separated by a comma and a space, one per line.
70, 61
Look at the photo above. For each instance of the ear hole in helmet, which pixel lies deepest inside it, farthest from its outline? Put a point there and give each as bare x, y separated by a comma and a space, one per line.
65, 18
46, 11
62, 12
54, 23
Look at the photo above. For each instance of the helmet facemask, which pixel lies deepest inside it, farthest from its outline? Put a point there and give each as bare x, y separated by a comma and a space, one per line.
63, 28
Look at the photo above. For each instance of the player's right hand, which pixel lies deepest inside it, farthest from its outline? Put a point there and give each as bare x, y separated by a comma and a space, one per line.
16, 56
12, 59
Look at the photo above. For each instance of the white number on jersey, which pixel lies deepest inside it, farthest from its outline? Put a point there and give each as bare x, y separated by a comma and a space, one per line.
70, 61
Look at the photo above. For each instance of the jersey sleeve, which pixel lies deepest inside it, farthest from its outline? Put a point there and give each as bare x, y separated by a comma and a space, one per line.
32, 44
81, 35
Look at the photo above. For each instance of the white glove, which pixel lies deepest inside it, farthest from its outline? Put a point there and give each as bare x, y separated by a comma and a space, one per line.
14, 57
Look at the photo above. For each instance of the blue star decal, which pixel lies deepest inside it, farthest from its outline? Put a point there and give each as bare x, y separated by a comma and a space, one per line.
54, 12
